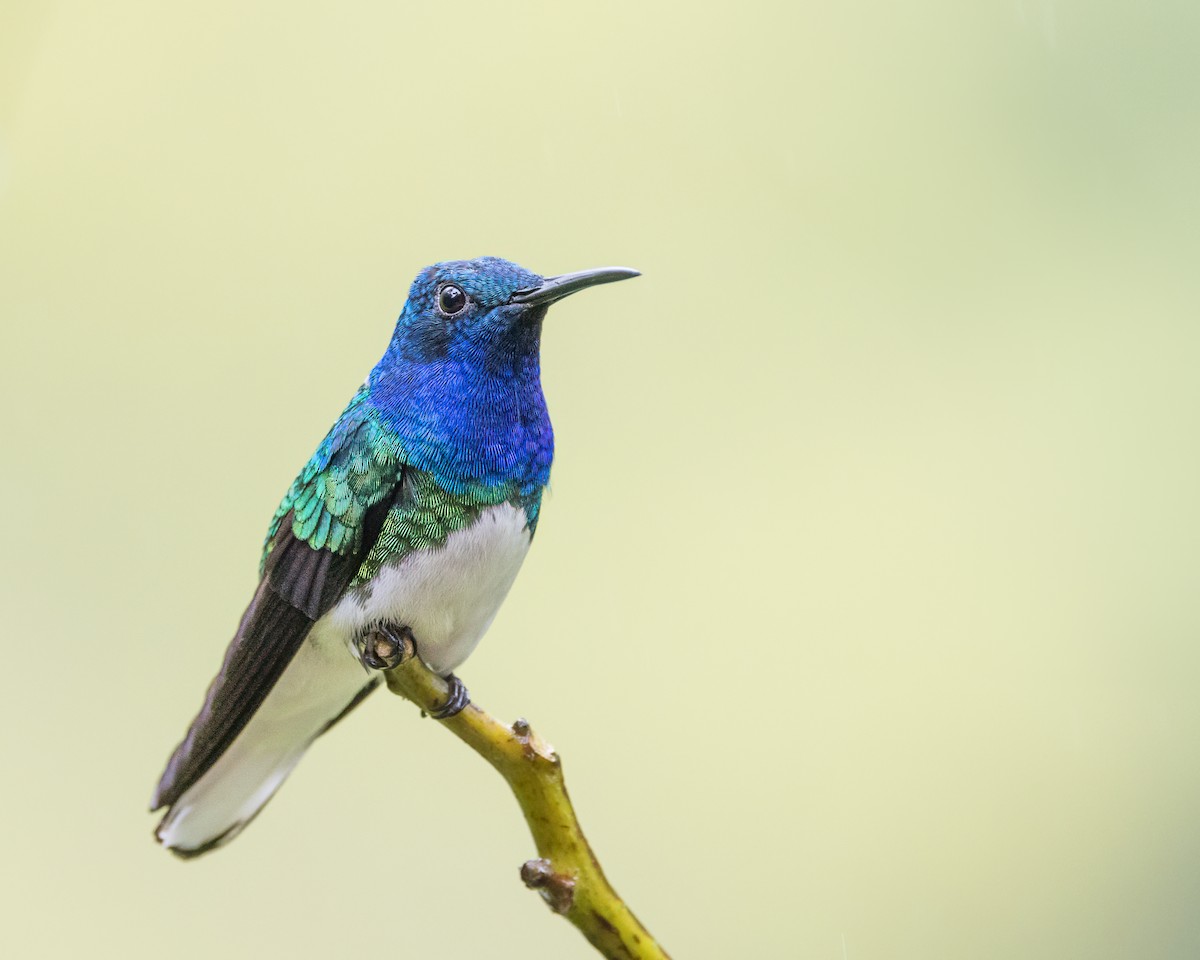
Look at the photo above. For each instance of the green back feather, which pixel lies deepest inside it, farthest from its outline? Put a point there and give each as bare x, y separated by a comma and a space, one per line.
360, 463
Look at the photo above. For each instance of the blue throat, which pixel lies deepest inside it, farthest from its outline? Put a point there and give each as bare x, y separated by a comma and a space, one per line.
471, 413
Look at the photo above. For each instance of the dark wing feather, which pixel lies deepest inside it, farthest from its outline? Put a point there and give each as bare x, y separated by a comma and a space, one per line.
299, 586
326, 526
270, 633
307, 579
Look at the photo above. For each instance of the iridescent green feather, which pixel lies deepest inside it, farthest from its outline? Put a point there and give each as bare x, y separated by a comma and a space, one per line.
357, 465
360, 463
426, 516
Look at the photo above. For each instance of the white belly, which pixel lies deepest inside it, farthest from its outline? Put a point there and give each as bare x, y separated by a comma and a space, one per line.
447, 596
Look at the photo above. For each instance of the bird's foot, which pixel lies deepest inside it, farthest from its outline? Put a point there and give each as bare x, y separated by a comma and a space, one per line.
457, 700
389, 645
385, 647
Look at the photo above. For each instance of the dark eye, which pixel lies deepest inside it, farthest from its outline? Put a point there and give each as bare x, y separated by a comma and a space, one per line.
451, 300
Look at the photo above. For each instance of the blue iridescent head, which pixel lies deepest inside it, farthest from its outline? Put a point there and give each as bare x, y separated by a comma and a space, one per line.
486, 311
461, 309
460, 382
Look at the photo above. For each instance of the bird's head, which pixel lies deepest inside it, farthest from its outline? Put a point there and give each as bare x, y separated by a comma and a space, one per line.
486, 312
460, 383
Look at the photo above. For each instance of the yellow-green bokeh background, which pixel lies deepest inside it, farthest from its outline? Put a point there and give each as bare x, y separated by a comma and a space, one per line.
864, 609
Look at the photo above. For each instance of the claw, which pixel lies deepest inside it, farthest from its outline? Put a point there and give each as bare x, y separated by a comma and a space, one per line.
457, 700
385, 647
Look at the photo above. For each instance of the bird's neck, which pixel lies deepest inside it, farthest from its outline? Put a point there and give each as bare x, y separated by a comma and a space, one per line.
468, 423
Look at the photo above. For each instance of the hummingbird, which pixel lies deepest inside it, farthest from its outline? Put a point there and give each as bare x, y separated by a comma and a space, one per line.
417, 510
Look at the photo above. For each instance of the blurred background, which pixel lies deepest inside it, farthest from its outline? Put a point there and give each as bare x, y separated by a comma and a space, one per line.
864, 609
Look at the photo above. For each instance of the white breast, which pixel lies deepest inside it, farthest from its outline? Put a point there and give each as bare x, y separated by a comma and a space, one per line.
447, 595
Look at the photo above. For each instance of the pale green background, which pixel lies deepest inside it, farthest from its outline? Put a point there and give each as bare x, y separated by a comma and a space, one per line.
864, 610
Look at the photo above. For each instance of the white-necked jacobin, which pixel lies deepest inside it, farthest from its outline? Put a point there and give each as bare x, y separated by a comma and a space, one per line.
416, 510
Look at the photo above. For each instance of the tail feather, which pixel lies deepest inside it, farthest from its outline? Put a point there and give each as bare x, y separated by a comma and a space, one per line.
219, 807
320, 686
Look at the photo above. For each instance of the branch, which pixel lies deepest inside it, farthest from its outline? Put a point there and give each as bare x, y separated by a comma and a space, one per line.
566, 873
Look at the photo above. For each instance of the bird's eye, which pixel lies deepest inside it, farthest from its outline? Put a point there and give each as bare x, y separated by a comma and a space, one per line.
451, 300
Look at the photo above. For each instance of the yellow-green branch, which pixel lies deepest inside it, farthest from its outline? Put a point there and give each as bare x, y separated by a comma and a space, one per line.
566, 872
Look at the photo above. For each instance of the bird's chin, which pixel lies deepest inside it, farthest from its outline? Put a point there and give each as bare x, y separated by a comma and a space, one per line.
533, 313
522, 316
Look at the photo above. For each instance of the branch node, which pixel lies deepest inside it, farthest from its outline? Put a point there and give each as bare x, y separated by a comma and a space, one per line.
557, 889
533, 747
568, 876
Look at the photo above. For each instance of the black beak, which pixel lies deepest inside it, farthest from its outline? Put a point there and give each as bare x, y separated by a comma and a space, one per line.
555, 288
